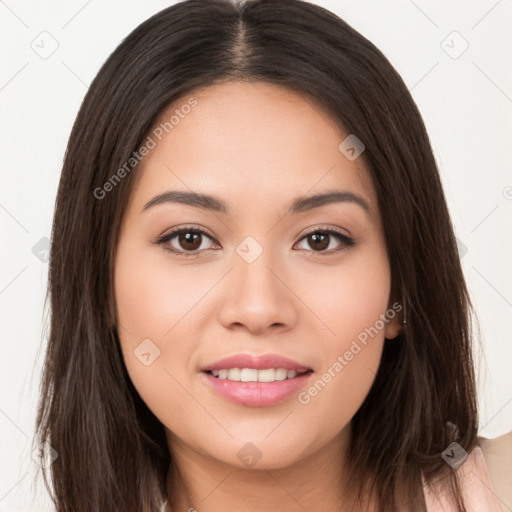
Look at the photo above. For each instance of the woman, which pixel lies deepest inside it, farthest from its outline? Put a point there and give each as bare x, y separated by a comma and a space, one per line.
256, 294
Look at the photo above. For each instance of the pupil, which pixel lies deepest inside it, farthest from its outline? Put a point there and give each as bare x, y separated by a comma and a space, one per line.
322, 239
190, 240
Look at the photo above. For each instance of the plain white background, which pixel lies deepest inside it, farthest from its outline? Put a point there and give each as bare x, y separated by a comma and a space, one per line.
454, 57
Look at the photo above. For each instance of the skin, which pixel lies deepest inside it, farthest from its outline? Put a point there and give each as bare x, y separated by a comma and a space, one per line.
257, 147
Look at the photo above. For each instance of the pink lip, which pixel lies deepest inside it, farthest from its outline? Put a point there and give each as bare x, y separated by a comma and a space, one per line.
258, 362
257, 394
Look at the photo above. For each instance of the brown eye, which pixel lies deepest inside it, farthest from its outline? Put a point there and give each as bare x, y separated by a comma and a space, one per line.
189, 241
324, 241
318, 241
185, 241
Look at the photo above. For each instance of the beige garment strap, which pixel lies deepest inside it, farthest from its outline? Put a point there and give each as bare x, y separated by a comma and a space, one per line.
475, 484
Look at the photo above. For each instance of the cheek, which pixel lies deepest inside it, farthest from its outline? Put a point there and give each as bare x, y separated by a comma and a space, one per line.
152, 296
152, 302
350, 301
351, 296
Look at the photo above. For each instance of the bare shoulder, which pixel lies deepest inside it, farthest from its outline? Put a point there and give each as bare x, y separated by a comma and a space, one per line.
498, 459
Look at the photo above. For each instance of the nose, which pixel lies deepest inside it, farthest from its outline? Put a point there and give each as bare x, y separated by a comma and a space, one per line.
257, 296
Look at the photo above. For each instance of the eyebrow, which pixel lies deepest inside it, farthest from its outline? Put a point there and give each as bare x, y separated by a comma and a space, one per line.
298, 205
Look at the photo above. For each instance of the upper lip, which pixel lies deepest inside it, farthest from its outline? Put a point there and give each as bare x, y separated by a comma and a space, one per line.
258, 362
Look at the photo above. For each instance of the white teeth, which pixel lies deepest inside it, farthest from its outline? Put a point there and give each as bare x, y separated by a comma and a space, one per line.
267, 375
281, 373
248, 375
253, 375
234, 374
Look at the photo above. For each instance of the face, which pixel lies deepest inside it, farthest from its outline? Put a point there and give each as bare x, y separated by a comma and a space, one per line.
260, 270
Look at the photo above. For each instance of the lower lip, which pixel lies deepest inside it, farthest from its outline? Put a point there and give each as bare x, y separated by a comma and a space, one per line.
257, 394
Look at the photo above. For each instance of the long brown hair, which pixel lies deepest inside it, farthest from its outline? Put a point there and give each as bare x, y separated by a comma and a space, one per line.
112, 451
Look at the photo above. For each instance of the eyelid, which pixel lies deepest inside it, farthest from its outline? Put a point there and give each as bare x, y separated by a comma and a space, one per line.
325, 227
189, 227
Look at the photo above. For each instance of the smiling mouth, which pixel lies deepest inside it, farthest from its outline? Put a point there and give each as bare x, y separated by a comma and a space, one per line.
255, 375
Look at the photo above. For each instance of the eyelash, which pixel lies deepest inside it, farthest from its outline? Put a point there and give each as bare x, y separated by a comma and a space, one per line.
347, 242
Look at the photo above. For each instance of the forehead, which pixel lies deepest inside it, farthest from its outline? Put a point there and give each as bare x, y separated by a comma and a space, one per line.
248, 141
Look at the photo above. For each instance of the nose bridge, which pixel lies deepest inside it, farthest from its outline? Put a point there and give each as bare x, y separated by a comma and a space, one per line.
253, 265
258, 297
